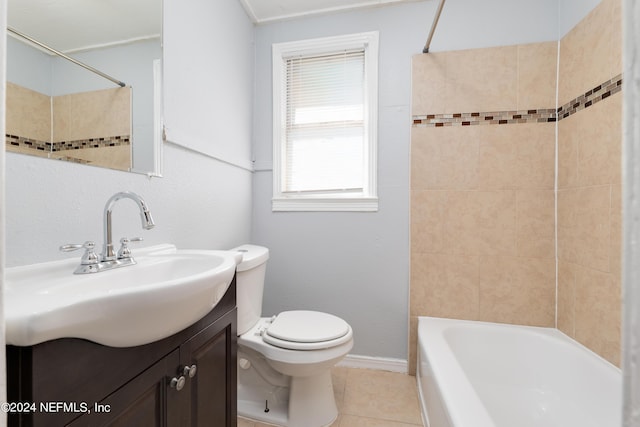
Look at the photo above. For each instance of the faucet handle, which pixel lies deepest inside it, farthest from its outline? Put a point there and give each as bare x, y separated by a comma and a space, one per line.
89, 256
124, 251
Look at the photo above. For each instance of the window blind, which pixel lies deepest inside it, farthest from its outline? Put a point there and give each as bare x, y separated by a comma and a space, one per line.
324, 145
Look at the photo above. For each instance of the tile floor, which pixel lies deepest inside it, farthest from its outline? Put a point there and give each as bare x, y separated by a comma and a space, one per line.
369, 398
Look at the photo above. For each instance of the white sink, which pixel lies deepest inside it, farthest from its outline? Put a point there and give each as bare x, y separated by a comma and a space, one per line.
166, 291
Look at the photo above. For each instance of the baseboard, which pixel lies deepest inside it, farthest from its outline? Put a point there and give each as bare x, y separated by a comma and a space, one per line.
377, 363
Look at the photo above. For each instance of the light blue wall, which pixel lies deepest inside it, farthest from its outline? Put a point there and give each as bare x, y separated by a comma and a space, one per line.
30, 68
356, 265
570, 12
471, 24
131, 63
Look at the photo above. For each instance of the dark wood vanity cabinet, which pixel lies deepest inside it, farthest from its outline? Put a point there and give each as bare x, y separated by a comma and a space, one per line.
83, 384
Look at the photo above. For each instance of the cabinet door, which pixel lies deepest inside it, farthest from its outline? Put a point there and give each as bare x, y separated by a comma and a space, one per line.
148, 400
213, 389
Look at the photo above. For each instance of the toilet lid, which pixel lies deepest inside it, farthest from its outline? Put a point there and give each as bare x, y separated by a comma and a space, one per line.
301, 329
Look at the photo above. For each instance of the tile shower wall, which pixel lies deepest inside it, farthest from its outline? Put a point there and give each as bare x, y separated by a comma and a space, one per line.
99, 113
483, 175
97, 122
589, 183
482, 186
29, 118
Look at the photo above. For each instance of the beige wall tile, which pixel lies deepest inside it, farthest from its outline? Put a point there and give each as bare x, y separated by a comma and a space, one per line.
444, 158
428, 77
118, 157
482, 80
535, 223
28, 113
92, 114
616, 36
515, 156
590, 53
535, 160
568, 143
598, 310
495, 213
599, 135
480, 222
498, 154
444, 286
584, 226
615, 254
594, 226
517, 290
566, 297
420, 282
428, 215
537, 71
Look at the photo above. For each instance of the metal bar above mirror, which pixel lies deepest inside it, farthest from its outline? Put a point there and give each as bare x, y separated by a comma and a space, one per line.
62, 55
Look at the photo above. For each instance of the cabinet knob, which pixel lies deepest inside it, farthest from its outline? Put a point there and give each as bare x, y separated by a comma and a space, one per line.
178, 383
190, 371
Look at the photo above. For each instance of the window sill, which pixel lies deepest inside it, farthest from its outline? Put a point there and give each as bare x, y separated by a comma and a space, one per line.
352, 204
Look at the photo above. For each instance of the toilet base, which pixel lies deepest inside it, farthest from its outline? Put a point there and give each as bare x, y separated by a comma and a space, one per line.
311, 404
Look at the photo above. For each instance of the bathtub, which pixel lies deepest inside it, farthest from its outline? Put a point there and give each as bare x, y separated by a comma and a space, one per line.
478, 374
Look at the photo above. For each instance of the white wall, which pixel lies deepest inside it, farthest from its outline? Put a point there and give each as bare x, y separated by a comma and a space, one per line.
356, 265
214, 71
201, 202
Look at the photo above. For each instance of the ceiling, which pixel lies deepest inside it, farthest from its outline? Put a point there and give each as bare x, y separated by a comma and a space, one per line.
72, 25
262, 11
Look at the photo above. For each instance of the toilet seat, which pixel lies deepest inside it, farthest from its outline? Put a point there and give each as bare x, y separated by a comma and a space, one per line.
306, 330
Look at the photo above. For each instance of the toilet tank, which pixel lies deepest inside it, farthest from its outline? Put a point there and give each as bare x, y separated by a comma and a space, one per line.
250, 285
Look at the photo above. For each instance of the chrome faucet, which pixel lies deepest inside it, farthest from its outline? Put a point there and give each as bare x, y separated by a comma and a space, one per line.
90, 262
108, 254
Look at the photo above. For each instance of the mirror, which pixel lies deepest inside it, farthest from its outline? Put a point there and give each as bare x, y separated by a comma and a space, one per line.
60, 110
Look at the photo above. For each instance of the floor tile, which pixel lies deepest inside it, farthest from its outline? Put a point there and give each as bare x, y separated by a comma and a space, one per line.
354, 421
382, 395
370, 398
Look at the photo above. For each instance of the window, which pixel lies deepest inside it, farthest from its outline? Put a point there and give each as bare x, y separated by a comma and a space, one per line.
325, 127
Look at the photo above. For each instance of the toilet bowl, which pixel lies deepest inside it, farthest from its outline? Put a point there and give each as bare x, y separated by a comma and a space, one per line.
284, 361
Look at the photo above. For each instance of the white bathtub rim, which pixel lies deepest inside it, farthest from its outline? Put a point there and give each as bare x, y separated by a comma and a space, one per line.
545, 332
464, 406
455, 389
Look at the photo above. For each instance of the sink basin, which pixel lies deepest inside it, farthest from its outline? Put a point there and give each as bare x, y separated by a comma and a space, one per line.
166, 291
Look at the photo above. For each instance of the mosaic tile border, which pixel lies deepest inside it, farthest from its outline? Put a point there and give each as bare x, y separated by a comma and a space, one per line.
593, 96
112, 141
22, 142
487, 118
544, 115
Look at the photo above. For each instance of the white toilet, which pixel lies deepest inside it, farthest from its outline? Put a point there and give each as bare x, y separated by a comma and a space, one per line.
284, 361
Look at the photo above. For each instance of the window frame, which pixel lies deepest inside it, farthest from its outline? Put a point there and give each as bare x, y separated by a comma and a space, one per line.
367, 199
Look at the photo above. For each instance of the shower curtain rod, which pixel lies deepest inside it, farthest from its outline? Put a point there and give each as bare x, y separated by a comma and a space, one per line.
68, 58
433, 27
